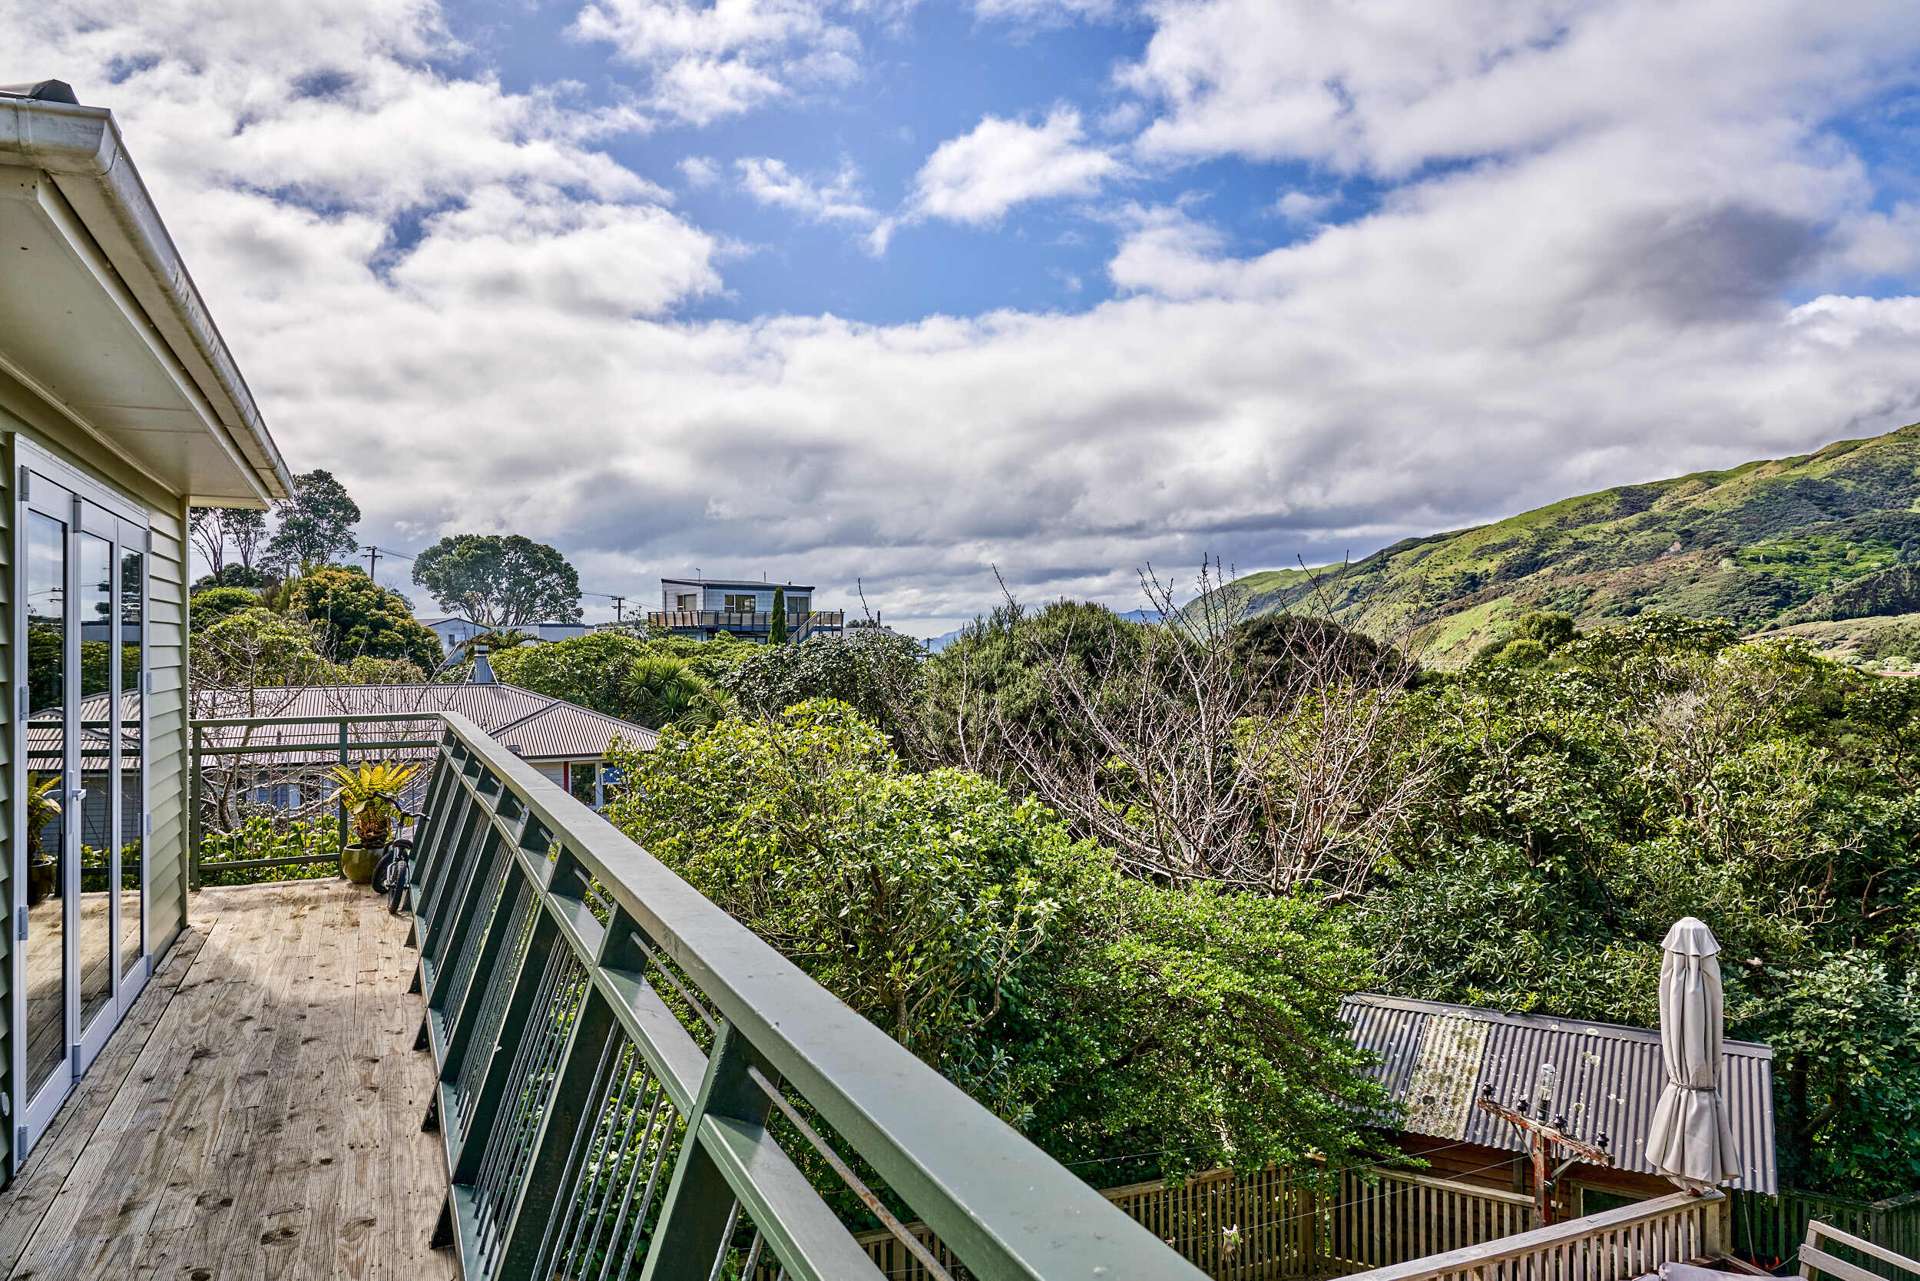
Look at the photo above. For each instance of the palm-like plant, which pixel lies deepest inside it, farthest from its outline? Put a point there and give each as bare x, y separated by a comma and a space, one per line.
371, 794
43, 806
662, 691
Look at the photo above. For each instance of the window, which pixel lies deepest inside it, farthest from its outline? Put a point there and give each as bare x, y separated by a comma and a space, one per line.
580, 780
742, 603
797, 605
687, 600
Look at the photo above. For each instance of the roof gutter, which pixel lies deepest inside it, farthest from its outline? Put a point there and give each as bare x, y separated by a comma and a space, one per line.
81, 149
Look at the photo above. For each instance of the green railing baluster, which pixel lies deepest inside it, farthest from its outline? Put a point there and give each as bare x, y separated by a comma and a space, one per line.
462, 917
698, 1214
560, 1121
467, 1152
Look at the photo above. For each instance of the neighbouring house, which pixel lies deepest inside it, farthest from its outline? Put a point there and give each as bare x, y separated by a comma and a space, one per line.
710, 607
120, 407
1436, 1060
565, 741
456, 633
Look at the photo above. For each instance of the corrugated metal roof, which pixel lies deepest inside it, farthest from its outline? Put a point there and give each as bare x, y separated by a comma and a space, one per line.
1436, 1058
531, 725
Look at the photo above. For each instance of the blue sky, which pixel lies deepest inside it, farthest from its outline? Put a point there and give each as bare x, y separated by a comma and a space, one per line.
911, 297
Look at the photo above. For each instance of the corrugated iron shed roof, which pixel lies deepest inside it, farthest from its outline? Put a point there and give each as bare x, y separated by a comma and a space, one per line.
534, 726
1436, 1058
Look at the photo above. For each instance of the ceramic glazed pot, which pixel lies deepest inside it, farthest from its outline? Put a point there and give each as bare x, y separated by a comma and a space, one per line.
357, 862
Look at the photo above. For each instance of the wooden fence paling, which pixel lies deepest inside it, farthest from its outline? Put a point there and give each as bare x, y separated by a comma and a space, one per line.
1611, 1246
1774, 1227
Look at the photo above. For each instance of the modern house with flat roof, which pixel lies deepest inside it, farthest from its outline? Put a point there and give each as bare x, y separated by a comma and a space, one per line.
710, 607
120, 407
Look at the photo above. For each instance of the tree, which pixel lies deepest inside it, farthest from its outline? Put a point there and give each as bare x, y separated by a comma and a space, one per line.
500, 580
1103, 1016
211, 604
777, 625
209, 538
652, 681
355, 616
315, 524
659, 691
234, 574
246, 529
877, 673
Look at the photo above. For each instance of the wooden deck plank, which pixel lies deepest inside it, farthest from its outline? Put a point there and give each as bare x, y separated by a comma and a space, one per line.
266, 1117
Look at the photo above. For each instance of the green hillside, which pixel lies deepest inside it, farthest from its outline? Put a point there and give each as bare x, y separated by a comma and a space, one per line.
1832, 535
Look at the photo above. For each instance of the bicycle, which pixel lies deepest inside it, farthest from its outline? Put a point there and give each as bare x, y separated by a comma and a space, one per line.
394, 872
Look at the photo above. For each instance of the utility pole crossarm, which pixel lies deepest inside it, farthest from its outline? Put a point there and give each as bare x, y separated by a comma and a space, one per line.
1547, 1141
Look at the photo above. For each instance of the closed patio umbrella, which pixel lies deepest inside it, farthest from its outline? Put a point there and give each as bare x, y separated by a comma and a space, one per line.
1690, 1141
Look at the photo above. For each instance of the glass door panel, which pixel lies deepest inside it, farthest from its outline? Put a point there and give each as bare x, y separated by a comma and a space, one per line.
44, 968
94, 905
133, 807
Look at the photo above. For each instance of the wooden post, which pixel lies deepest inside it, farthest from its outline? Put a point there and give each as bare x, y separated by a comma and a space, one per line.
1545, 1142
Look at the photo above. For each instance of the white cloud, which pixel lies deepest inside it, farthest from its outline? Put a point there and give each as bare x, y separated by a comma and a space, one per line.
1045, 12
1303, 206
1390, 86
1613, 297
594, 259
713, 60
835, 199
699, 171
978, 176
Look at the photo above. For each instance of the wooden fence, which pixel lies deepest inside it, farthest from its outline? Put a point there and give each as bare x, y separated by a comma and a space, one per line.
1396, 1216
1267, 1227
1614, 1245
1770, 1229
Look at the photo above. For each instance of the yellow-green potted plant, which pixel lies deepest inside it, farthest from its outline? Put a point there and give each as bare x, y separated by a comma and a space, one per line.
43, 808
371, 795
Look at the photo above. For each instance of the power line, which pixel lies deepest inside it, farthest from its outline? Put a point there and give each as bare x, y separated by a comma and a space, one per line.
378, 553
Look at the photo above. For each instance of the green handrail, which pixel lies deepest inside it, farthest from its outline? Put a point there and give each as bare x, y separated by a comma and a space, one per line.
611, 1045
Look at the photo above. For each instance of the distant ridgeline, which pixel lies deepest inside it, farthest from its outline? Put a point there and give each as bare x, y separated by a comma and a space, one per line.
1826, 545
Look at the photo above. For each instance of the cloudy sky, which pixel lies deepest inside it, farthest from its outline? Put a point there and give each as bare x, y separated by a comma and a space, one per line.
901, 290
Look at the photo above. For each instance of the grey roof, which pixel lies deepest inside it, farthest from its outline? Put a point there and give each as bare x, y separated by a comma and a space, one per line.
42, 91
761, 583
534, 726
1435, 1059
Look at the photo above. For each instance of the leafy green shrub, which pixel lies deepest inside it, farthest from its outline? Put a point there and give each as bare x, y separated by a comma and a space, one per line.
261, 836
1103, 1015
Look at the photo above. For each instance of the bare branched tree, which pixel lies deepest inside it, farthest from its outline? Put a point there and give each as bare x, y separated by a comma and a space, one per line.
1261, 754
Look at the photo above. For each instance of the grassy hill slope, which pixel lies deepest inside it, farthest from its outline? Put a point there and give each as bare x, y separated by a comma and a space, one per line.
1824, 536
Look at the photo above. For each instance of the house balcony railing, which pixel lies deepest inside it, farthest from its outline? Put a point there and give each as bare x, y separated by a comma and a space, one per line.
728, 620
632, 1083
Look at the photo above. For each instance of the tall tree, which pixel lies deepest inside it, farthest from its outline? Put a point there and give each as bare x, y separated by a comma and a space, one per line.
316, 524
500, 580
246, 529
777, 626
213, 528
354, 617
209, 537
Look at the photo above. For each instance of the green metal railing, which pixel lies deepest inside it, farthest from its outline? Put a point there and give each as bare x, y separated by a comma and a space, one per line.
234, 743
617, 1058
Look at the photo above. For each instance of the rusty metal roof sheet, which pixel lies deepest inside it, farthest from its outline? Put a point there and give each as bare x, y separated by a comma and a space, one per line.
1435, 1059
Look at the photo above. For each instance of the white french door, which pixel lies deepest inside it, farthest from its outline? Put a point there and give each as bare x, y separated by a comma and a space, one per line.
80, 776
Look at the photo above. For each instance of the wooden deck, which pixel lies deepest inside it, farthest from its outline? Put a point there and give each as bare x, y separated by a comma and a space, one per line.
257, 1116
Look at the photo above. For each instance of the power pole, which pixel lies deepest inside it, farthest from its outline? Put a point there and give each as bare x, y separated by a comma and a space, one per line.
1547, 1140
619, 608
373, 559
